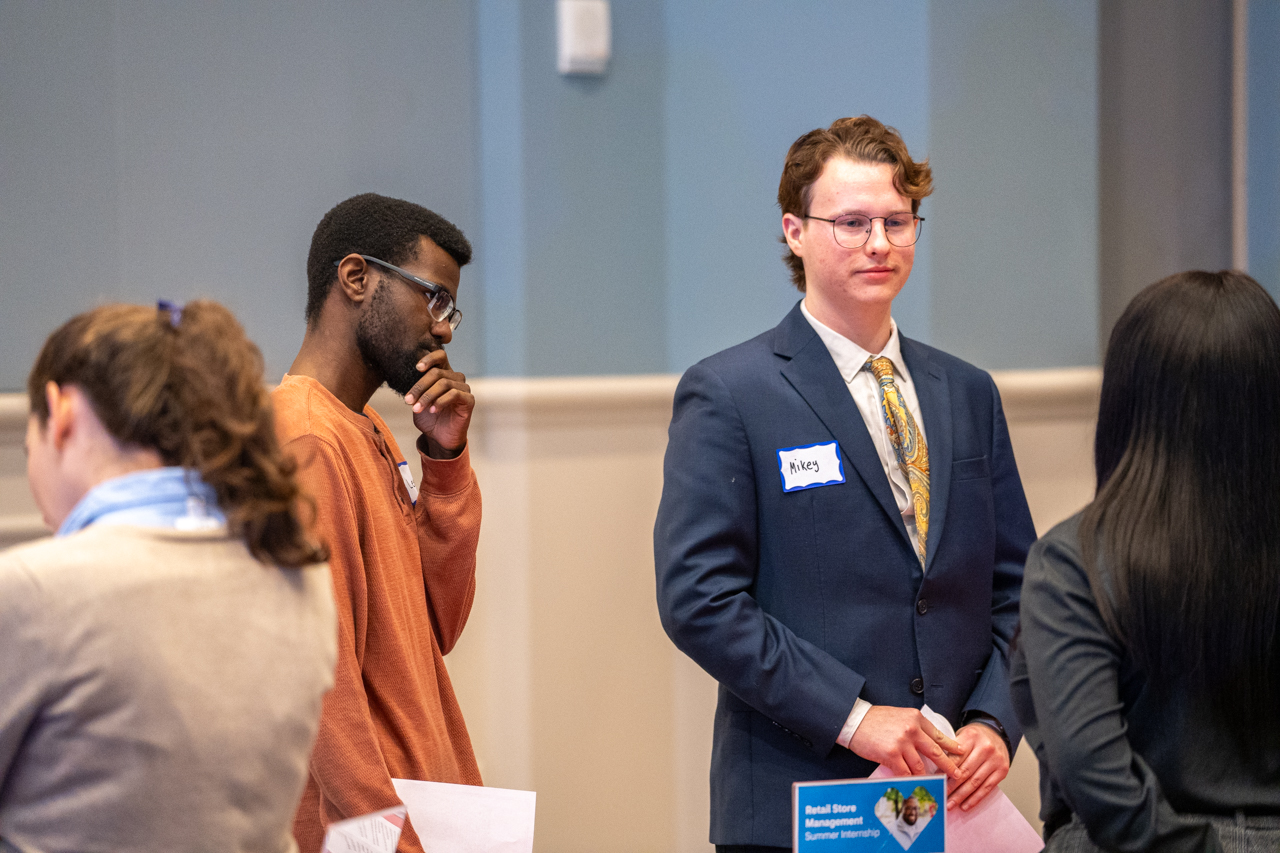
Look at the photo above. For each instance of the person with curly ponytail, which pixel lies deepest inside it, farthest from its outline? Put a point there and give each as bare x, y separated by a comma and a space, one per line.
1147, 670
165, 654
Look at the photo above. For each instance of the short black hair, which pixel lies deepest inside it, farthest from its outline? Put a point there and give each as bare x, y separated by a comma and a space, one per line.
372, 224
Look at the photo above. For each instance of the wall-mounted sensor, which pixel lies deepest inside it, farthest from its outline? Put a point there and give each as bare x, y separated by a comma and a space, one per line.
583, 36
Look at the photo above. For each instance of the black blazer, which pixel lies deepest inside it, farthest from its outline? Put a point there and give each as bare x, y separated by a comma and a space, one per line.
1141, 768
799, 602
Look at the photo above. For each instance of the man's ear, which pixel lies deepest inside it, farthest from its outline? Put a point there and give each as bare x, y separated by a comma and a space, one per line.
793, 230
355, 278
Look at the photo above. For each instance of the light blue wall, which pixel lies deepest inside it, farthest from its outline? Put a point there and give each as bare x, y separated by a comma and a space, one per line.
687, 132
594, 301
153, 148
571, 194
686, 135
623, 224
636, 210
1264, 143
60, 239
1002, 98
740, 88
1014, 124
500, 252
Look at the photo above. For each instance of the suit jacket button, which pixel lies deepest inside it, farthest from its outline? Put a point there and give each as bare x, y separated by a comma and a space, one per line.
922, 607
917, 686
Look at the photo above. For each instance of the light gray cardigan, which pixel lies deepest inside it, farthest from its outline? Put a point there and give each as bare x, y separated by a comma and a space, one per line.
159, 691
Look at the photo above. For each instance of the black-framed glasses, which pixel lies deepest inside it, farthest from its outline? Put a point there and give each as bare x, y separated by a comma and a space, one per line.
852, 230
439, 303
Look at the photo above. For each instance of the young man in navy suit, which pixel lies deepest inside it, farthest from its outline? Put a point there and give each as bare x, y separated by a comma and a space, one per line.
842, 528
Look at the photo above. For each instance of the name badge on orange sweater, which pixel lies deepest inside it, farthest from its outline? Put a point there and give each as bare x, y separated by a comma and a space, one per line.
408, 482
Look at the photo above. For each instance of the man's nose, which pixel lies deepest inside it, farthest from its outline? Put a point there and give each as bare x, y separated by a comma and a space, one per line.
877, 240
442, 331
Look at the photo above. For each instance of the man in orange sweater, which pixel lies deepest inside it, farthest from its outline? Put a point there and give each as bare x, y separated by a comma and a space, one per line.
381, 305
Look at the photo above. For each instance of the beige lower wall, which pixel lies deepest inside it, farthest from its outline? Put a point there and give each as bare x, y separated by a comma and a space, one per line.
19, 519
568, 683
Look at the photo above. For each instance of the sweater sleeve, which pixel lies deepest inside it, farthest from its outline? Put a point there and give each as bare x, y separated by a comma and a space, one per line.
448, 511
347, 762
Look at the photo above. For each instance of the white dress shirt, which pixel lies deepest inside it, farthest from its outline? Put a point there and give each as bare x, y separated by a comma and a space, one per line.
865, 390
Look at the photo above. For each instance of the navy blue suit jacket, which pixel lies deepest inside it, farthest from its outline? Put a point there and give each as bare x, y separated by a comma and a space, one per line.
799, 602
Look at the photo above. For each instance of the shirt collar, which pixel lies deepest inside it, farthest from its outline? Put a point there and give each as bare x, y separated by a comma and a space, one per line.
848, 356
171, 497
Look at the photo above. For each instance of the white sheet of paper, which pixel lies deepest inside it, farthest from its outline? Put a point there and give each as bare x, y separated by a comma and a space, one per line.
377, 832
994, 826
469, 818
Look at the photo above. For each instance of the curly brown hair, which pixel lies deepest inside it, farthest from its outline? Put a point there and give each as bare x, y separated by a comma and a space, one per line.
187, 383
862, 140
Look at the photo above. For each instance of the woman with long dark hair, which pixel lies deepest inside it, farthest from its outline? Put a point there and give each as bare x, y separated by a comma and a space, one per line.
1147, 674
163, 657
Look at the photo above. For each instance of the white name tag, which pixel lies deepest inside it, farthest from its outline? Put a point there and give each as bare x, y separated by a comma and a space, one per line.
810, 466
407, 475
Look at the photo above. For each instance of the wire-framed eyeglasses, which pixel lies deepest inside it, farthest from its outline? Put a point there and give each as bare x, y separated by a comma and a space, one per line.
852, 230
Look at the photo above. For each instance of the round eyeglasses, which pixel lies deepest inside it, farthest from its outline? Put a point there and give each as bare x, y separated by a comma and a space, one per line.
439, 303
853, 229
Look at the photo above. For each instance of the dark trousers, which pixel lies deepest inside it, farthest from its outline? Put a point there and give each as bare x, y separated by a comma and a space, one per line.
1237, 834
749, 848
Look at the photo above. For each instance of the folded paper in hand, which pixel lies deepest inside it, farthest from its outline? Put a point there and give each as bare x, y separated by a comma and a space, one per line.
993, 826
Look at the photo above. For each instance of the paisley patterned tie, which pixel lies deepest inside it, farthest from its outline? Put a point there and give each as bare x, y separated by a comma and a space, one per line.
908, 444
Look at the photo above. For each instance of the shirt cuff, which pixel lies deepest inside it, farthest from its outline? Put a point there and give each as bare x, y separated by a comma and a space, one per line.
445, 476
987, 720
860, 709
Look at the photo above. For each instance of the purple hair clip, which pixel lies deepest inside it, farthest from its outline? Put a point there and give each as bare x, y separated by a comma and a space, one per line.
174, 309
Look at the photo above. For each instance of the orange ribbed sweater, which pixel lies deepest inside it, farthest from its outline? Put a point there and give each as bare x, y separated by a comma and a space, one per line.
404, 579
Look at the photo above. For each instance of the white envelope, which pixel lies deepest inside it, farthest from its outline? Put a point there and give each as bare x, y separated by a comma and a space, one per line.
994, 826
469, 818
377, 832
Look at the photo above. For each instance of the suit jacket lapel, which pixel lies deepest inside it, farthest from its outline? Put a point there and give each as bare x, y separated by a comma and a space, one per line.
935, 407
813, 374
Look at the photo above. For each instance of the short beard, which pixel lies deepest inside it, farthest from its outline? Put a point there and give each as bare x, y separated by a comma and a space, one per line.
375, 337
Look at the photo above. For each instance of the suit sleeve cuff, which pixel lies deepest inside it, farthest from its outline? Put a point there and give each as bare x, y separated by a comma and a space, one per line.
860, 709
988, 720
